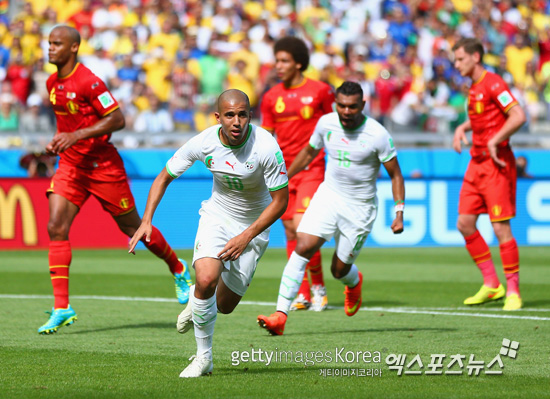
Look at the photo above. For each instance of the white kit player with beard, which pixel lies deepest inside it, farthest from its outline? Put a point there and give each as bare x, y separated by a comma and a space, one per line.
345, 204
249, 193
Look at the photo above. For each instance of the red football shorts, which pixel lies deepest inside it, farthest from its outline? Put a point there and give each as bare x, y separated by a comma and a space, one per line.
108, 184
488, 188
301, 189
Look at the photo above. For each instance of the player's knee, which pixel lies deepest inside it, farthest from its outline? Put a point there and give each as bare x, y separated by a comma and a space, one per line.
465, 228
205, 286
57, 230
305, 250
225, 308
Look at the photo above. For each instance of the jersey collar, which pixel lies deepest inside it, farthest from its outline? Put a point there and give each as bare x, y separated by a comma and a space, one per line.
235, 146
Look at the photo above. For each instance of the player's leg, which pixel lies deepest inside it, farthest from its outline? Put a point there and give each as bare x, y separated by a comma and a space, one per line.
204, 315
308, 186
293, 274
303, 299
509, 255
478, 249
62, 214
129, 222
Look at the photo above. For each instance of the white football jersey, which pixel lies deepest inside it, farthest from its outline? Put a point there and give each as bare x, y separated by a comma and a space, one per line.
353, 156
243, 175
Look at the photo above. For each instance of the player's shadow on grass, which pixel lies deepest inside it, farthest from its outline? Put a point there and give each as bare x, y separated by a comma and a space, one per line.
168, 326
374, 330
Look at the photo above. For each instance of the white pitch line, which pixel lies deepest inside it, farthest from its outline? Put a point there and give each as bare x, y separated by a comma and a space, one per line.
403, 310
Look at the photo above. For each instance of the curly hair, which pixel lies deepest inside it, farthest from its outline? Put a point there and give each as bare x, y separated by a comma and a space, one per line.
296, 48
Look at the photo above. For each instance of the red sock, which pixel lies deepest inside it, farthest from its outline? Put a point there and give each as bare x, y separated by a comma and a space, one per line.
509, 254
160, 247
316, 269
59, 257
480, 253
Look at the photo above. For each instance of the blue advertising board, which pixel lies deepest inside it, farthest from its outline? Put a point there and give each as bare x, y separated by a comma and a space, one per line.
430, 213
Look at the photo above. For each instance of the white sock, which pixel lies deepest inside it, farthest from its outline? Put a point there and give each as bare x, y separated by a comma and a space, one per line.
205, 312
352, 278
291, 280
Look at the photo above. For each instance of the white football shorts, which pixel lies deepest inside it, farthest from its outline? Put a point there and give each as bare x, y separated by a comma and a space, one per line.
214, 231
348, 221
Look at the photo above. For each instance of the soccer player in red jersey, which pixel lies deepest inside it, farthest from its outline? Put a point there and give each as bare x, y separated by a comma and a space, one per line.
489, 184
89, 164
291, 110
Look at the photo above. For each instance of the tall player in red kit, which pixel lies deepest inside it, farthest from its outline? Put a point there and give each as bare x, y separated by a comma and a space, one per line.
291, 110
489, 184
89, 164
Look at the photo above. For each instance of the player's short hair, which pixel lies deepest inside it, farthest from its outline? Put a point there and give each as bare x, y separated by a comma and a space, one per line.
233, 95
470, 45
296, 47
74, 35
350, 89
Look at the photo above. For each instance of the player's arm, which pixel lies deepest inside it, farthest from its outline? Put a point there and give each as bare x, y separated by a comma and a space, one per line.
303, 159
398, 191
460, 135
107, 124
158, 188
236, 246
515, 118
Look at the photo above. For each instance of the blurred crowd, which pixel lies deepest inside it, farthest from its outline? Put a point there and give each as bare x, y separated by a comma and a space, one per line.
166, 61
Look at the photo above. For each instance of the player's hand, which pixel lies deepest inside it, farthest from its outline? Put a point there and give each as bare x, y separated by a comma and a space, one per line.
234, 248
397, 225
144, 230
62, 141
493, 152
459, 139
49, 149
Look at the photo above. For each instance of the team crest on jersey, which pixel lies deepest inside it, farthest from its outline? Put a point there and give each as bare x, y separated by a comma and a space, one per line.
307, 112
71, 96
328, 135
505, 98
209, 161
72, 107
106, 99
479, 107
249, 165
306, 100
497, 210
124, 203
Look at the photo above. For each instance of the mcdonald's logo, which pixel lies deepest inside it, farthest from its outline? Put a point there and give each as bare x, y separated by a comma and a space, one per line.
17, 194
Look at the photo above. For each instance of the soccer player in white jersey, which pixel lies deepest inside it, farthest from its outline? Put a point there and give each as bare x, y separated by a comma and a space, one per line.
250, 192
345, 205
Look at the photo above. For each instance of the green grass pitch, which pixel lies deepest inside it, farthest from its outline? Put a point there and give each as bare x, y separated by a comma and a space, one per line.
125, 344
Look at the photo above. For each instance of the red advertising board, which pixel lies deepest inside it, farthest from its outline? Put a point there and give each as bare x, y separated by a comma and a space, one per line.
24, 218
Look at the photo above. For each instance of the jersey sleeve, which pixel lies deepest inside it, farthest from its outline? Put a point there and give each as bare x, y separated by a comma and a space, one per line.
328, 99
268, 122
275, 174
99, 96
501, 94
385, 147
184, 157
316, 139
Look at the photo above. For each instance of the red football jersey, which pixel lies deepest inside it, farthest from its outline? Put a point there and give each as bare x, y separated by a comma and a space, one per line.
79, 100
292, 113
488, 102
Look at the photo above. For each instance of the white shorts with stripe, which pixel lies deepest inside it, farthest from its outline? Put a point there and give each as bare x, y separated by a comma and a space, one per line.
214, 231
348, 221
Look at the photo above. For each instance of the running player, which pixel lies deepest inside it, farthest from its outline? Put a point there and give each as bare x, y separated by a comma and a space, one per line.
345, 205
